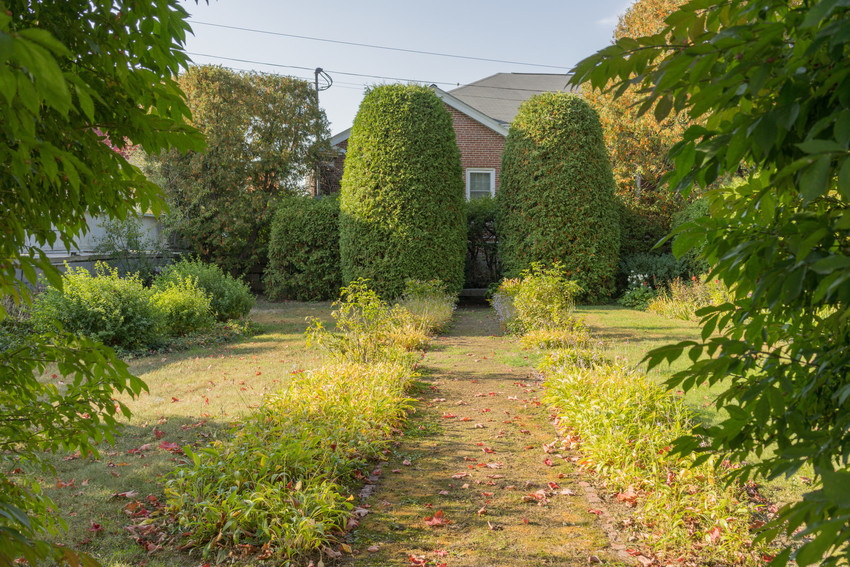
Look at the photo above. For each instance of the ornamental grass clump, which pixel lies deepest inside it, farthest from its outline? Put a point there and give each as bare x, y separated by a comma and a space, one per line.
685, 298
624, 427
277, 487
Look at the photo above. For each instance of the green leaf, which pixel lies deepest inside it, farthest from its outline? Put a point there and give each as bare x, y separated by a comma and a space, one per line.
662, 109
6, 46
820, 146
815, 178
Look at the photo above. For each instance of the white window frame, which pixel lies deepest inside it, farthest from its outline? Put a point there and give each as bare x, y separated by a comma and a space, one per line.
490, 170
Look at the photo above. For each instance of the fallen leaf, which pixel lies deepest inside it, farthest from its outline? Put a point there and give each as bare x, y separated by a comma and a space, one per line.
128, 494
459, 476
482, 511
406, 463
597, 512
373, 549
95, 527
437, 520
449, 415
173, 399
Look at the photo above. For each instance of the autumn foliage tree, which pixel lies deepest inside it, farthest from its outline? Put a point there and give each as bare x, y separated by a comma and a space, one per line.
262, 133
638, 142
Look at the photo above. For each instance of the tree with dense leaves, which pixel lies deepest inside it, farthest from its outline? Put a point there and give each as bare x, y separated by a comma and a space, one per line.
261, 132
769, 80
73, 75
638, 143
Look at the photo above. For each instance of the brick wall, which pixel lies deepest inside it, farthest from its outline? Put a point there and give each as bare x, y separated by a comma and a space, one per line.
480, 147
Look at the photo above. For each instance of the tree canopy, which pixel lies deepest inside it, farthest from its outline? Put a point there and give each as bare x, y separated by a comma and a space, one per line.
769, 80
74, 75
638, 143
264, 133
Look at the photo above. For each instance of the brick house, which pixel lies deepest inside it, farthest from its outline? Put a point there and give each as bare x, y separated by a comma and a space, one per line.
482, 112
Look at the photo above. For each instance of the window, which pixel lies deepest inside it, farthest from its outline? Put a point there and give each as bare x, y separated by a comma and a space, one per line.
480, 183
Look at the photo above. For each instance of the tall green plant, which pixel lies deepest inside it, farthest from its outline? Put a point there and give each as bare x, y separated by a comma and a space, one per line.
401, 203
79, 83
556, 199
771, 80
263, 135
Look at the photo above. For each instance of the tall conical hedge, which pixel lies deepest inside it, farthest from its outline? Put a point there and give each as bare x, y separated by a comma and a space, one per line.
401, 201
556, 198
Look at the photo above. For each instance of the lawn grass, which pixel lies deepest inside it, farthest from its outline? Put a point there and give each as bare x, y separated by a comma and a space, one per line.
194, 396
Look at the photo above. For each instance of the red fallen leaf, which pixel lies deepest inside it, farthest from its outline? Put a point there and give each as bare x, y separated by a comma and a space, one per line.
441, 553
488, 450
95, 527
529, 498
417, 560
258, 373
459, 476
529, 447
597, 512
173, 399
171, 447
547, 461
487, 494
510, 487
437, 520
633, 552
449, 415
466, 419
714, 534
62, 484
479, 444
554, 485
524, 520
469, 459
629, 497
158, 434
128, 494
525, 431
485, 410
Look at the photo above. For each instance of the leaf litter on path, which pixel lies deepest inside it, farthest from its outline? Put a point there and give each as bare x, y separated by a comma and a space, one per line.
481, 520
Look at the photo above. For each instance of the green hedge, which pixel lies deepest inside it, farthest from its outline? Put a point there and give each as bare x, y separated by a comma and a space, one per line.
556, 199
304, 250
402, 196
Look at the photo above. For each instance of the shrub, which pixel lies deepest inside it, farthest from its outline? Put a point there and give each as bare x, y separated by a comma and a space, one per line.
184, 306
556, 199
304, 250
401, 201
230, 297
115, 311
541, 298
638, 295
657, 270
692, 261
483, 267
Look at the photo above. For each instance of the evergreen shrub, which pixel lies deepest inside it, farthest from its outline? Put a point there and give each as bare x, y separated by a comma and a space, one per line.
103, 306
230, 297
402, 195
556, 198
304, 250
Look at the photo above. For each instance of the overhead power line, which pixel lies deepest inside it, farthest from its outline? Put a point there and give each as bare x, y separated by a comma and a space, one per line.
362, 75
384, 47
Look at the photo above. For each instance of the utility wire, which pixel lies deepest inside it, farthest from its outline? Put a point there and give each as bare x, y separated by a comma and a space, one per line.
385, 47
362, 75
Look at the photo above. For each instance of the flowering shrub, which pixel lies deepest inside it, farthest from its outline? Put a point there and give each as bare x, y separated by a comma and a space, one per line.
639, 293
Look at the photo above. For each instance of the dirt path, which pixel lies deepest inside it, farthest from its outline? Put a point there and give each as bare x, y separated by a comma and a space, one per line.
476, 452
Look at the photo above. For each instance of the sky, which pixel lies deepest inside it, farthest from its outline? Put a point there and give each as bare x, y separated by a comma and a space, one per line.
552, 35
